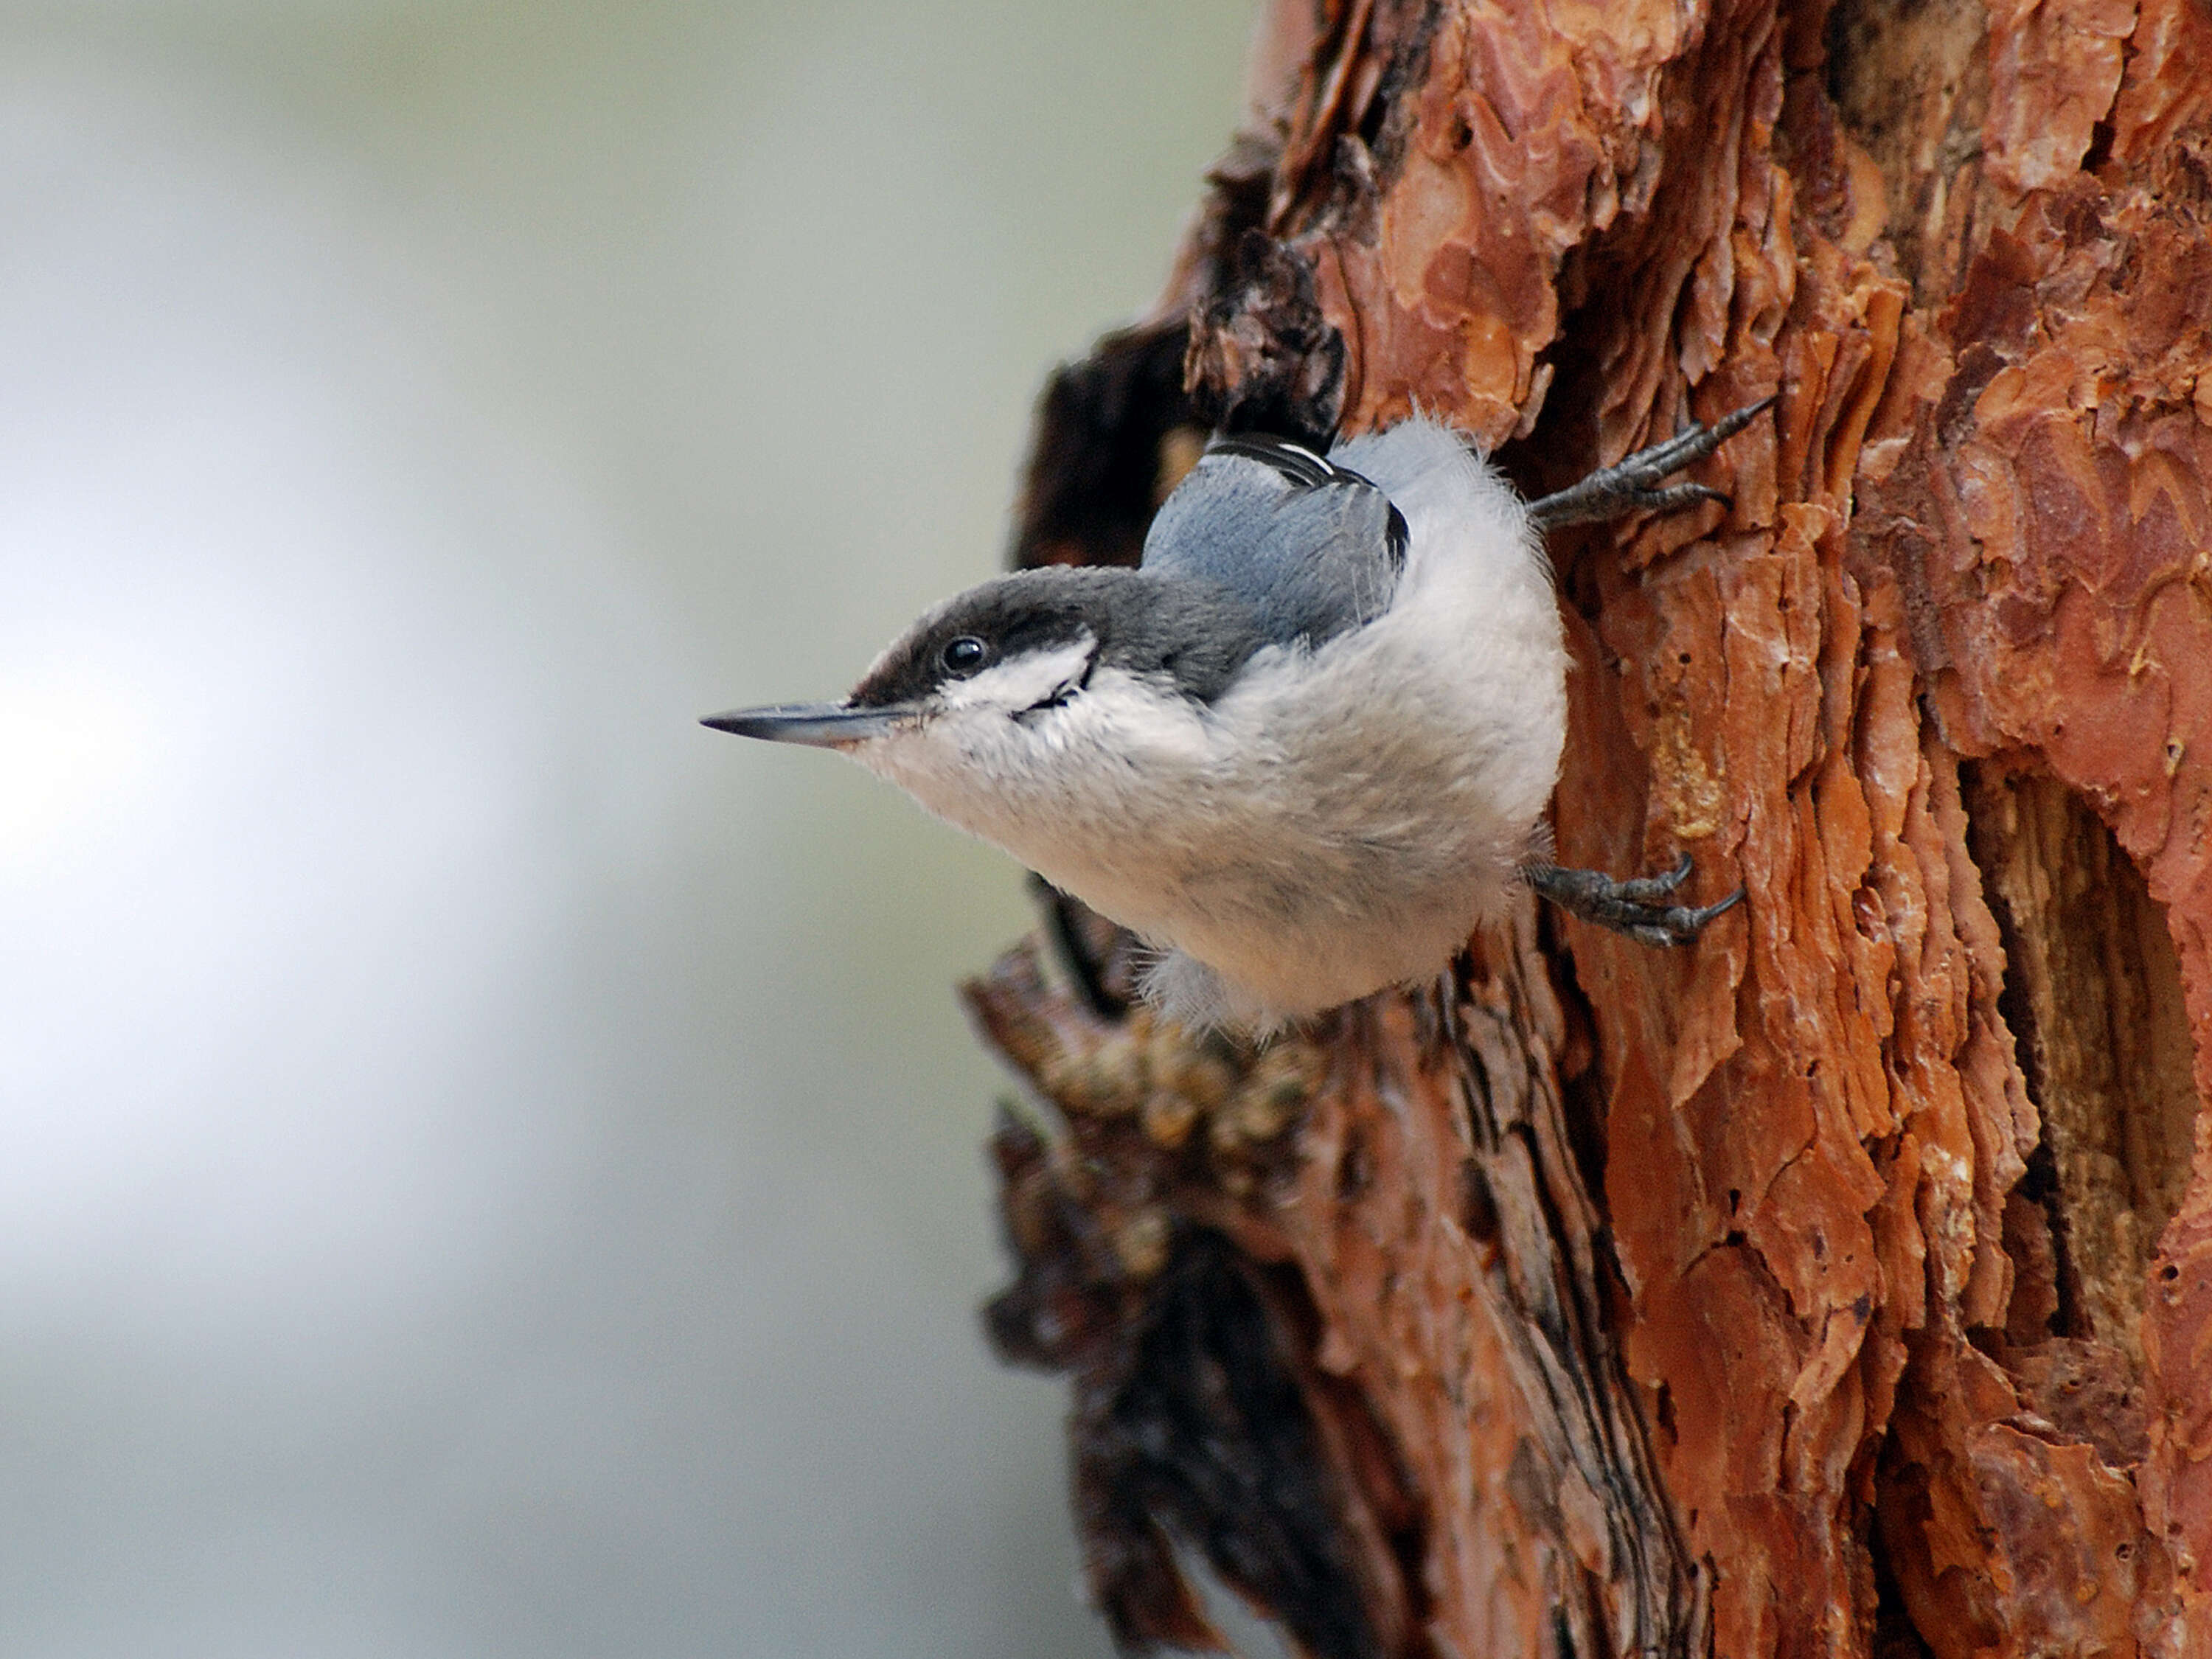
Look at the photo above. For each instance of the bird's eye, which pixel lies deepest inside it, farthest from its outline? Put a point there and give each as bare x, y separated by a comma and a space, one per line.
965, 655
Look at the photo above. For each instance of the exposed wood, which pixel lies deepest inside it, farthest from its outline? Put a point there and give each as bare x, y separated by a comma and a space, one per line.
1844, 1284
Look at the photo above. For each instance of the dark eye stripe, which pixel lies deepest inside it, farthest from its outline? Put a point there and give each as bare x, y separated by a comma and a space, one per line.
965, 655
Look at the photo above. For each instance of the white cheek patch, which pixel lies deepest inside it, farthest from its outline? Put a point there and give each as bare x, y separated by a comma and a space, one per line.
1022, 682
974, 760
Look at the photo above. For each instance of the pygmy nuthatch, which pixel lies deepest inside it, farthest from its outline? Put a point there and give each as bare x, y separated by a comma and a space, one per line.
1304, 749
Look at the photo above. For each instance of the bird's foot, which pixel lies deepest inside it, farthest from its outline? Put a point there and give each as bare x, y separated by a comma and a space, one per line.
1634, 484
1636, 908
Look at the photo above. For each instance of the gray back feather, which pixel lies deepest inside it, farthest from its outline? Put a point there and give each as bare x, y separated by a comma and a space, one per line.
1313, 550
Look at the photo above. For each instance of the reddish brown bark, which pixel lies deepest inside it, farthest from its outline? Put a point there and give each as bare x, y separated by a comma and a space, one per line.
1843, 1283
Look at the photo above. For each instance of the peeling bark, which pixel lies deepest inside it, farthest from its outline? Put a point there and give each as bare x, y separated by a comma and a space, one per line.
1844, 1284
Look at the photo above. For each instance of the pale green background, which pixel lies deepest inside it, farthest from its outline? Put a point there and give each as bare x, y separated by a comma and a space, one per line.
488, 1167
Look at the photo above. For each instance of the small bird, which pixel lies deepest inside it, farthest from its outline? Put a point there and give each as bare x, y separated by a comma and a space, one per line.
1303, 748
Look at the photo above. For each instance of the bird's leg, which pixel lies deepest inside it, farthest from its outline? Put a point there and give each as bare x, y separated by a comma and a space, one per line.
1638, 908
1633, 485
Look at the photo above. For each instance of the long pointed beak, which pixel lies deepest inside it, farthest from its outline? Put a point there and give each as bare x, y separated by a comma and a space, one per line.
818, 725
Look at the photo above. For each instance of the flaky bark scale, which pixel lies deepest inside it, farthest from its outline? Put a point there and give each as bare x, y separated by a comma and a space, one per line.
1844, 1282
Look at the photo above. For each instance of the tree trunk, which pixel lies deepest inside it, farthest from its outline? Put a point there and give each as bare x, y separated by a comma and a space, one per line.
1843, 1283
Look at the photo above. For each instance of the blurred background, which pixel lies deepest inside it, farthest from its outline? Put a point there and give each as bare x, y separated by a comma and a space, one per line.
487, 1167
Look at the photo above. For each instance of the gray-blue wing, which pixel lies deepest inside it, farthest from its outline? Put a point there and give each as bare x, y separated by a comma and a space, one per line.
1312, 548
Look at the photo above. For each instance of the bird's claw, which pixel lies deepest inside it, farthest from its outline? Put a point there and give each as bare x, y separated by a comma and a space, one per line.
1635, 906
1635, 483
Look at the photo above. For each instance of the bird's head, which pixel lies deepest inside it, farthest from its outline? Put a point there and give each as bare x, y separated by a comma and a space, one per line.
973, 709
1010, 648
